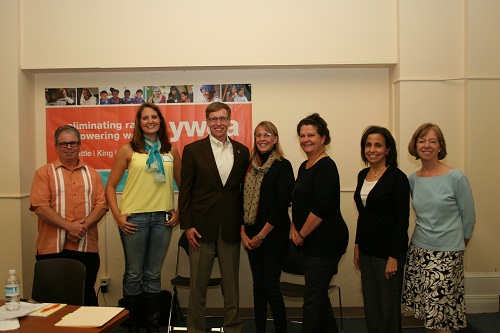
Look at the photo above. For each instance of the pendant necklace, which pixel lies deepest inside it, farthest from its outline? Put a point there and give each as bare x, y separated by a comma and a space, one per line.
311, 164
375, 175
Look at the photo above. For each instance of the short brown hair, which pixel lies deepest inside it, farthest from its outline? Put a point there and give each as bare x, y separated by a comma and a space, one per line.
421, 131
216, 106
66, 128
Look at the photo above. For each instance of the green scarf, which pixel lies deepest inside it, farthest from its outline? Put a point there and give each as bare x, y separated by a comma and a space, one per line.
253, 181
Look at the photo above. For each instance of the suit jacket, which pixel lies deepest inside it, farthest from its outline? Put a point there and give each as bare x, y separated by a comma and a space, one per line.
206, 204
382, 229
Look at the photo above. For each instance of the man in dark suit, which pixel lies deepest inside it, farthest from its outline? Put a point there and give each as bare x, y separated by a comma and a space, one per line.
211, 212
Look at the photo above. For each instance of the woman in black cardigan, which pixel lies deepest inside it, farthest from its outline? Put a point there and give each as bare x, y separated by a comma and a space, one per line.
267, 224
382, 198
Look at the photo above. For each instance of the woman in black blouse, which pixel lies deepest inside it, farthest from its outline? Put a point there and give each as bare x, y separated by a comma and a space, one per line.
382, 198
267, 224
317, 224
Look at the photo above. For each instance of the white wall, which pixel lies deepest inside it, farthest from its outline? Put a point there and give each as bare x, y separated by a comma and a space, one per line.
449, 75
483, 103
159, 33
406, 50
16, 142
349, 99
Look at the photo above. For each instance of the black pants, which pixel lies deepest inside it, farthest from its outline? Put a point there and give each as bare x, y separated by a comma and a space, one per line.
266, 272
318, 312
382, 297
92, 263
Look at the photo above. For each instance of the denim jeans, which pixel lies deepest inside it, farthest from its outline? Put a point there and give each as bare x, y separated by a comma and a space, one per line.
266, 272
318, 312
144, 253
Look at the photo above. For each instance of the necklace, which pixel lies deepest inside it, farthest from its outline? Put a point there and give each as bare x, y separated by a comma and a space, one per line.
375, 175
311, 163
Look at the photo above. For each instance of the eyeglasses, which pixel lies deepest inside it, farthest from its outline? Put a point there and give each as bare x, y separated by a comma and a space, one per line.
263, 136
72, 144
221, 119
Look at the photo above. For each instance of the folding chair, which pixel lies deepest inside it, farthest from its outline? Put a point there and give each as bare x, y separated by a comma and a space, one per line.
294, 264
184, 281
59, 280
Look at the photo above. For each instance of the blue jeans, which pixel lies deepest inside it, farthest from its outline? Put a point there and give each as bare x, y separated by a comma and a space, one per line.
318, 312
266, 272
144, 253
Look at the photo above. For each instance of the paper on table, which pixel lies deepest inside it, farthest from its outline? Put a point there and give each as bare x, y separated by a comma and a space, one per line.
40, 313
9, 324
24, 309
89, 316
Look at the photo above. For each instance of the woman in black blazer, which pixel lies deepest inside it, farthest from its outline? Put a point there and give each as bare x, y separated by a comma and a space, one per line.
267, 224
382, 198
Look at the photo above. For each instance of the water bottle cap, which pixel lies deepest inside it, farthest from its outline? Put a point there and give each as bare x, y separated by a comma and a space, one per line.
12, 271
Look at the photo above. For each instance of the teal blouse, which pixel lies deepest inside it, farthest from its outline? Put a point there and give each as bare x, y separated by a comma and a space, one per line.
444, 209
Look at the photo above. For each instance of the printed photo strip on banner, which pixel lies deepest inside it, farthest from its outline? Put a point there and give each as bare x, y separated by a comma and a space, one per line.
105, 115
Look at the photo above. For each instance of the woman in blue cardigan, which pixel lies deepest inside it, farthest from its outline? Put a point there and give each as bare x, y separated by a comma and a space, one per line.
445, 217
382, 198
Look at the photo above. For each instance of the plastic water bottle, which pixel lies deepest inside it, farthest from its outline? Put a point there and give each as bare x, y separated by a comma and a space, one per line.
12, 292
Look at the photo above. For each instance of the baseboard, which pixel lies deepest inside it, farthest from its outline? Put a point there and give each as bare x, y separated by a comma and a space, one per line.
481, 303
482, 292
354, 312
291, 312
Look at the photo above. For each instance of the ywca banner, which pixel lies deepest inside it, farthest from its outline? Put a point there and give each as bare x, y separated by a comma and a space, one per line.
105, 128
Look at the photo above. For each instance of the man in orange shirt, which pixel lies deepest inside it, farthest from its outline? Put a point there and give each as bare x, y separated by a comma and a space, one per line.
68, 197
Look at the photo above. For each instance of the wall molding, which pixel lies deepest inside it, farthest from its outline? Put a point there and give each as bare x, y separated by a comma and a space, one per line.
482, 290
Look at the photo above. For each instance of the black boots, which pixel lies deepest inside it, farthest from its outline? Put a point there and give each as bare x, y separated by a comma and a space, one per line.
151, 304
133, 305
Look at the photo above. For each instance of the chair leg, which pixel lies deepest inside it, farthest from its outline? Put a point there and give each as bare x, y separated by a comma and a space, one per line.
172, 304
177, 304
340, 308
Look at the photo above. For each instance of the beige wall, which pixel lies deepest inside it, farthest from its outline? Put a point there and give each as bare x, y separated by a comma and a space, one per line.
349, 99
418, 61
194, 34
483, 126
16, 144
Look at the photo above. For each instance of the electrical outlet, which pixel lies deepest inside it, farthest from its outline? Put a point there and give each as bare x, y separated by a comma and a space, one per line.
104, 284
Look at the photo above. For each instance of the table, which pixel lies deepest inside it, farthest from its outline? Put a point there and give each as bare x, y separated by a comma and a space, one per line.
46, 324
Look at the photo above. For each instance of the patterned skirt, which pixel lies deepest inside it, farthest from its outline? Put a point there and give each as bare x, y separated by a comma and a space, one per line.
434, 288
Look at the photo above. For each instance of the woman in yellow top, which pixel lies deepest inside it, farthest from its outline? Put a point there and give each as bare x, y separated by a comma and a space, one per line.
146, 214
